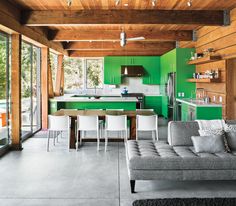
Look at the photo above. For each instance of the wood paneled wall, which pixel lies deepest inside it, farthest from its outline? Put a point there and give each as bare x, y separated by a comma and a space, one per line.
223, 40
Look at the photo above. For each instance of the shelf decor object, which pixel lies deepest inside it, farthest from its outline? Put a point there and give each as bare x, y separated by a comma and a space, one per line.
204, 60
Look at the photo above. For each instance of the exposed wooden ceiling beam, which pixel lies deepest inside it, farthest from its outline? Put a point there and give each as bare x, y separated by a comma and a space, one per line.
114, 35
116, 45
92, 53
52, 18
10, 19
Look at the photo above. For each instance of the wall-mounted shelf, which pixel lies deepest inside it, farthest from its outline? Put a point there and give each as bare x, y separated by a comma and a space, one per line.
204, 60
204, 80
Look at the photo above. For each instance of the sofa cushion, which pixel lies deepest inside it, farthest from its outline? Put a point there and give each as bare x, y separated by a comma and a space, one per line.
179, 133
216, 132
230, 131
148, 155
210, 144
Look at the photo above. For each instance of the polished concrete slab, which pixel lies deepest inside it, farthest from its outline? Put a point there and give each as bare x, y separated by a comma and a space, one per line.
87, 177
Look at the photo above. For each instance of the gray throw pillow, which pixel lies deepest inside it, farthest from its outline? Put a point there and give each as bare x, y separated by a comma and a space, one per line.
216, 132
230, 131
209, 144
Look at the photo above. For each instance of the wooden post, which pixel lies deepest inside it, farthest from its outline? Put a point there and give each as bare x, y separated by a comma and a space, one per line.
16, 91
59, 77
44, 86
50, 82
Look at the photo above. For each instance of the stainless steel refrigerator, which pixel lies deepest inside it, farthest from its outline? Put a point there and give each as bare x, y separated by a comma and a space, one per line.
171, 93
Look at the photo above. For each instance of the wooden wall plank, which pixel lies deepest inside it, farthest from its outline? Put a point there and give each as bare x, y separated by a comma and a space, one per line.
59, 75
16, 91
231, 89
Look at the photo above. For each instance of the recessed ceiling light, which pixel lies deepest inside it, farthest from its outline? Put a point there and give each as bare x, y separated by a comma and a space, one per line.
126, 4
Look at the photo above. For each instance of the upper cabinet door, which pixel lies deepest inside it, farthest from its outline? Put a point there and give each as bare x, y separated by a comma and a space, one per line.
151, 65
112, 70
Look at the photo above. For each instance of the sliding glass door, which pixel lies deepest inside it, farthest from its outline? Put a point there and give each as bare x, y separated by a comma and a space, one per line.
4, 90
30, 89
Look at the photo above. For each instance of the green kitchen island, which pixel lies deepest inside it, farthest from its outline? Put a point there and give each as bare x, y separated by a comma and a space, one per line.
192, 109
83, 102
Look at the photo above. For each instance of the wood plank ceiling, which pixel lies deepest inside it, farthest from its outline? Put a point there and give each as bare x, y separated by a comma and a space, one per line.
82, 33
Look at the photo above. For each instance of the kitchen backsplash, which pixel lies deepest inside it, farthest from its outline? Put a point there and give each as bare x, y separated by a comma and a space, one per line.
134, 85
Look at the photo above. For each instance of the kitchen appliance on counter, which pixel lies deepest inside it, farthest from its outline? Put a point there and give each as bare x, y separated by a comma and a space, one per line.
140, 98
171, 93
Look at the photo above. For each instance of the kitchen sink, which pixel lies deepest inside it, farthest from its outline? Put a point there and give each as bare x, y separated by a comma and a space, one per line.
88, 96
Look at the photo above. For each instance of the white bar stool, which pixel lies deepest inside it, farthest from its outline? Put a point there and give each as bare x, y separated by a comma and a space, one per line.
147, 123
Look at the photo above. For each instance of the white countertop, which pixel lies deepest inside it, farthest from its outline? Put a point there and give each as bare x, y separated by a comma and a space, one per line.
87, 99
198, 103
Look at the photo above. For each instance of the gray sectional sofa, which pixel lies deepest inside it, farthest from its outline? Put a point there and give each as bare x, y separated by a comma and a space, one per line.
177, 160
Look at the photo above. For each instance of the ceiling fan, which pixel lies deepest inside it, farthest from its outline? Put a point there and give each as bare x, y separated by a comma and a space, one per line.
123, 39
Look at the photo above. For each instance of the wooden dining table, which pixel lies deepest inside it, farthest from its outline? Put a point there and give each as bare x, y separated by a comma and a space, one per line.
131, 114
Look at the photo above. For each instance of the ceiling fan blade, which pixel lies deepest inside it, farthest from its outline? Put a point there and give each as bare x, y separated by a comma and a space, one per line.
135, 38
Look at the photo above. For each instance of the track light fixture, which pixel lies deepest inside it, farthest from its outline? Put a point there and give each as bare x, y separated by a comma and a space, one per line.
117, 2
189, 3
154, 2
69, 2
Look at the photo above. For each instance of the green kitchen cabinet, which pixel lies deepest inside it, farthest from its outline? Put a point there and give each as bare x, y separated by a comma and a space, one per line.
191, 113
152, 69
164, 106
153, 102
55, 106
112, 70
176, 61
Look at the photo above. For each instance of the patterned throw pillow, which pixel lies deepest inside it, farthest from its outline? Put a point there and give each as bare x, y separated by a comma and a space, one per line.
230, 131
216, 132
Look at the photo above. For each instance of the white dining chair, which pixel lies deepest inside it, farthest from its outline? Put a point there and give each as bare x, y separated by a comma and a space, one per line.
87, 123
58, 124
143, 110
147, 123
116, 123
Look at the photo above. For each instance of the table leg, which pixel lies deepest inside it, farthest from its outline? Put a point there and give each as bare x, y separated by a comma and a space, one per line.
72, 134
133, 128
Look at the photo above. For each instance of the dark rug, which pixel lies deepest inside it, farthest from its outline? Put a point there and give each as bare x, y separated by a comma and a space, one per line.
187, 202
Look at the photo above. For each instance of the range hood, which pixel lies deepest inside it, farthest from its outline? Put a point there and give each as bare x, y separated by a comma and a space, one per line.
132, 70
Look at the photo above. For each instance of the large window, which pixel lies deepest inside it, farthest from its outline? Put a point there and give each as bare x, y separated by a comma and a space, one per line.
74, 74
81, 73
30, 89
4, 90
94, 73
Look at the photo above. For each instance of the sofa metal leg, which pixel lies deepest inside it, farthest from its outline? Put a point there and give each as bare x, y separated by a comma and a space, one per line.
132, 186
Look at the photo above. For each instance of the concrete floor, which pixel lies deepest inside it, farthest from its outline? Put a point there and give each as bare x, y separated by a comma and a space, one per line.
34, 177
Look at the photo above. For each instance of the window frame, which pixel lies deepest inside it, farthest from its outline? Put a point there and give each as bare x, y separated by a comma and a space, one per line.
4, 148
